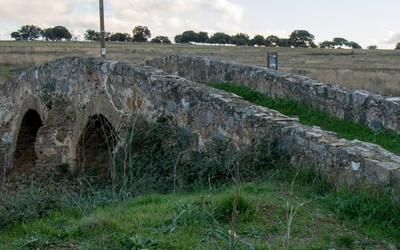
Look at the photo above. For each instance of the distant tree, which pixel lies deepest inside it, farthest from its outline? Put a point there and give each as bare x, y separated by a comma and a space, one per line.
127, 36
257, 40
203, 37
48, 34
92, 35
57, 33
397, 46
189, 36
353, 45
339, 41
220, 38
284, 42
120, 37
301, 38
241, 39
272, 40
116, 37
16, 35
30, 32
178, 38
161, 39
327, 45
372, 47
141, 34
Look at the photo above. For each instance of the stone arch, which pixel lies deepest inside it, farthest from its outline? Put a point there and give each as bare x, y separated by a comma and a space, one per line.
98, 113
28, 120
30, 102
94, 151
24, 154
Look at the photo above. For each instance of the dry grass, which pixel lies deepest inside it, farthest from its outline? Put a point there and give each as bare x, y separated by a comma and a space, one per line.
375, 70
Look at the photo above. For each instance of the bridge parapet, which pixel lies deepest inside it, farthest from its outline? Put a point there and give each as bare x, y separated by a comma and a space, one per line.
361, 106
343, 161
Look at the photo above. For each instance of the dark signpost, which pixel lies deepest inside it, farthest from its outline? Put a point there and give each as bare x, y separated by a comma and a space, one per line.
272, 60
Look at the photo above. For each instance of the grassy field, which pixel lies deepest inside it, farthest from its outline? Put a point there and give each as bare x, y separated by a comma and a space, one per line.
374, 70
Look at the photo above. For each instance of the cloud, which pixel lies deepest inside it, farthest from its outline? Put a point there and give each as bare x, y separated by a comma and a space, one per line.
162, 17
394, 37
171, 18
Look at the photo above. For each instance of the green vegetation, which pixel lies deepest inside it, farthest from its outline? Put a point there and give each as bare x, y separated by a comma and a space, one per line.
6, 71
202, 219
158, 194
346, 129
396, 57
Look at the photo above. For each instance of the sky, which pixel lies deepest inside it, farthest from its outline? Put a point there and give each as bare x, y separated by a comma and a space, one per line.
366, 22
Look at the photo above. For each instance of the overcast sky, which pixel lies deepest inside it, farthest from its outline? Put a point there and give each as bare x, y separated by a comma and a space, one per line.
367, 22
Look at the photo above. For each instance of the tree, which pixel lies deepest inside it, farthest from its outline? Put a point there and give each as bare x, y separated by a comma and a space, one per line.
301, 38
141, 34
189, 36
91, 35
284, 42
30, 32
48, 34
397, 46
57, 33
221, 38
120, 37
257, 40
272, 40
327, 45
161, 39
339, 41
115, 37
16, 35
372, 47
178, 38
353, 45
203, 37
62, 33
241, 39
127, 36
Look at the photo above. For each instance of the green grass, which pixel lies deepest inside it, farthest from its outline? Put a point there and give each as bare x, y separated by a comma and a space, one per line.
199, 220
396, 57
182, 199
6, 70
346, 129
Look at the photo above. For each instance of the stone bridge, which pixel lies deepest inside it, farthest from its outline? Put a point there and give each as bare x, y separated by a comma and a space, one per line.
73, 111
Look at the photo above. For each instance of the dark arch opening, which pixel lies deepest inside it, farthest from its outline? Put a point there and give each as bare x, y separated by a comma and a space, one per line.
24, 155
95, 147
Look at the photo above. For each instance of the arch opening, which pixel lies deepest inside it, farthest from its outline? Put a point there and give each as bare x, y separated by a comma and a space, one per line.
24, 155
94, 152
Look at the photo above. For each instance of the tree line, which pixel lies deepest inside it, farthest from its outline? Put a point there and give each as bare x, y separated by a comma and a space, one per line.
298, 38
33, 32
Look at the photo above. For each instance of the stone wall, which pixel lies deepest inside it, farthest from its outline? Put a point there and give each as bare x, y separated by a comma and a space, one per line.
360, 106
82, 88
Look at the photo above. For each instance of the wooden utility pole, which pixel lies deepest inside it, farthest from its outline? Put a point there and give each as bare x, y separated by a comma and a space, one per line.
102, 31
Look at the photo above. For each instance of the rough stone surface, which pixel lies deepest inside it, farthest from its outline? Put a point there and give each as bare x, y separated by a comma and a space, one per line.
360, 106
84, 88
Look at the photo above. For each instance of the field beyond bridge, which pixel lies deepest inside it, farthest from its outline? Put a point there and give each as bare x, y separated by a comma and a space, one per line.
374, 70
